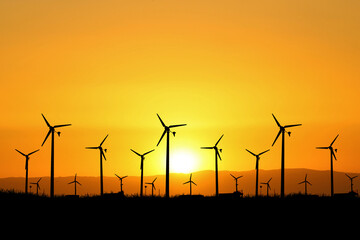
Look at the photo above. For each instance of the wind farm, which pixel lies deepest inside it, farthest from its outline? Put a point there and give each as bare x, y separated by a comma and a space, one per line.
193, 94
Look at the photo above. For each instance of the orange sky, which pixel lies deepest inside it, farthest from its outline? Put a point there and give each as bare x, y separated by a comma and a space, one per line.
222, 67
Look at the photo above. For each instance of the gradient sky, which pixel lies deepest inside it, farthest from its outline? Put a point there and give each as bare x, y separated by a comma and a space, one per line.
222, 67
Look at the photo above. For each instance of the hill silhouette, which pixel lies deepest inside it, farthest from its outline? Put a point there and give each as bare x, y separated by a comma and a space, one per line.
205, 180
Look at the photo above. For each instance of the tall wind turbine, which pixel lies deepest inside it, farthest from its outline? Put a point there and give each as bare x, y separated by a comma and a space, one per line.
332, 154
52, 131
257, 169
167, 132
351, 181
190, 182
75, 182
120, 179
282, 132
27, 157
37, 186
267, 187
152, 186
102, 154
305, 182
216, 164
142, 168
236, 179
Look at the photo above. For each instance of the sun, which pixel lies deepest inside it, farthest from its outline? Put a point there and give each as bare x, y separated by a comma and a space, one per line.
182, 161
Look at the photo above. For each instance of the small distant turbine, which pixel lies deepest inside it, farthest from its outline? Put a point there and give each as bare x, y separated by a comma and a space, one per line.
27, 157
351, 181
102, 154
267, 187
217, 154
305, 182
75, 182
37, 186
332, 154
120, 179
190, 183
236, 181
152, 186
142, 168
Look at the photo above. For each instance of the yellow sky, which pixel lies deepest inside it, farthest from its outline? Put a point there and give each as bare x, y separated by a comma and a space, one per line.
108, 67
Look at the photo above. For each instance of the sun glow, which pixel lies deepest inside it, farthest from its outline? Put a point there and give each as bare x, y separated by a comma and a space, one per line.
183, 161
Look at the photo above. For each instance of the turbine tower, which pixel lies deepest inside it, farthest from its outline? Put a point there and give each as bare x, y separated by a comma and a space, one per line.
190, 182
332, 154
282, 132
236, 179
216, 164
75, 182
305, 182
27, 157
52, 131
167, 132
102, 154
142, 168
257, 169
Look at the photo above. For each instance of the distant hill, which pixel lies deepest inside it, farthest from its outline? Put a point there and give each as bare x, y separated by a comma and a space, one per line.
205, 181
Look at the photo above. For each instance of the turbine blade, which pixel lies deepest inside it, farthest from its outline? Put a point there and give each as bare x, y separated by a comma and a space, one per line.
251, 152
219, 140
154, 180
63, 125
332, 152
71, 182
293, 125
194, 183
217, 152
206, 147
46, 137
276, 121
348, 176
233, 176
178, 125
264, 152
148, 152
20, 153
33, 152
322, 147
162, 123
102, 153
301, 182
117, 175
136, 153
161, 138
47, 123
92, 147
276, 137
334, 140
104, 140
186, 182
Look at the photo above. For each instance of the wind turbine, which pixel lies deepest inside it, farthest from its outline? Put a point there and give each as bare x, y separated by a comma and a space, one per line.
102, 154
190, 182
267, 187
257, 169
121, 184
152, 186
75, 182
142, 168
167, 131
37, 186
52, 131
236, 179
27, 157
282, 132
351, 182
216, 164
305, 182
332, 154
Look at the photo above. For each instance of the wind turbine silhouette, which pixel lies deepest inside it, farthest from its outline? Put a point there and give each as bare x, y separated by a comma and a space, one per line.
236, 179
332, 154
75, 182
257, 169
305, 182
167, 131
190, 182
52, 131
142, 168
282, 132
102, 154
351, 181
152, 186
27, 157
216, 164
37, 186
267, 187
121, 184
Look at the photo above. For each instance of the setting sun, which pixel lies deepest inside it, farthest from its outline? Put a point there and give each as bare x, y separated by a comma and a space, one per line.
183, 161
